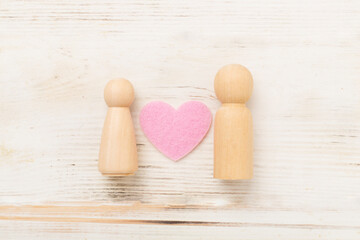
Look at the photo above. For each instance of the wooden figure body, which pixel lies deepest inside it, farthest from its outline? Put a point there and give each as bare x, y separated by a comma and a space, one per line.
118, 154
233, 139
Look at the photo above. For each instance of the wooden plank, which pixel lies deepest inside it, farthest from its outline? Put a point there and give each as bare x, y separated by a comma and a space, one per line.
56, 57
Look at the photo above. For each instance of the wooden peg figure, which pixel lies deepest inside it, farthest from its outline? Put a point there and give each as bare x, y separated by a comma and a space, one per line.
118, 155
233, 139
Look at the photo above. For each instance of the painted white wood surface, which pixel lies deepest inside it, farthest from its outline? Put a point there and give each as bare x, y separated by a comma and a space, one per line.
56, 57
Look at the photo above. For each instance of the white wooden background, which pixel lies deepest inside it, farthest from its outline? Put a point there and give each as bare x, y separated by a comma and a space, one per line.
56, 57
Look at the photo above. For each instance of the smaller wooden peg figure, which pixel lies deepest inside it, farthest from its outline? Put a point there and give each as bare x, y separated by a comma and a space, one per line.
118, 155
233, 139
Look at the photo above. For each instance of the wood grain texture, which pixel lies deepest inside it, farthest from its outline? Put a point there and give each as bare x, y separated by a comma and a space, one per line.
56, 57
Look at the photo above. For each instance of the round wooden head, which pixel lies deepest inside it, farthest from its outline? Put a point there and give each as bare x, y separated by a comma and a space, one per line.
233, 84
119, 93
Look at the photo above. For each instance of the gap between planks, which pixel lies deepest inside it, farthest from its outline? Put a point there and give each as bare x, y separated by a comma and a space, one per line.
98, 212
174, 222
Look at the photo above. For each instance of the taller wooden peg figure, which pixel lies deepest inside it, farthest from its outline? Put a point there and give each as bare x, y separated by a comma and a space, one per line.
233, 137
118, 155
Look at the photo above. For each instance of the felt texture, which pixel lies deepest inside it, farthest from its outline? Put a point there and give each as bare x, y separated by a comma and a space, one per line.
173, 132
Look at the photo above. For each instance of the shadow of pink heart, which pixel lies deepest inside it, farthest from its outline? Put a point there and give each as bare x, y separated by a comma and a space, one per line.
173, 132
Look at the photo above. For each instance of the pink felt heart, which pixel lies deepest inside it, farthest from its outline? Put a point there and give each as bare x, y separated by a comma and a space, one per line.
173, 132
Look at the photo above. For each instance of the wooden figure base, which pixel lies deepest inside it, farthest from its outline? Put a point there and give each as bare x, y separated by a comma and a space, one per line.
117, 174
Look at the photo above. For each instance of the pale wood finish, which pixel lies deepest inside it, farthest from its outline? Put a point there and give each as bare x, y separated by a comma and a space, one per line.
57, 56
233, 132
118, 154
